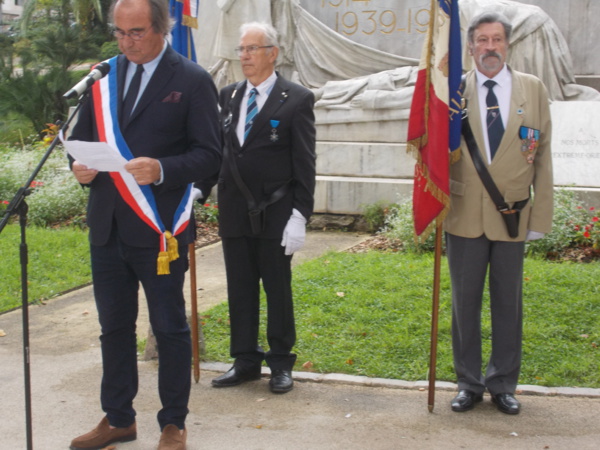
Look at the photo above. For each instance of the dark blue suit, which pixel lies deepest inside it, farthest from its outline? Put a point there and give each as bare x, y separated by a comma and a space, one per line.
175, 121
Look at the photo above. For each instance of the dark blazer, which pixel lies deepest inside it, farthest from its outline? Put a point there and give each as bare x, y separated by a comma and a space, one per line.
280, 149
177, 122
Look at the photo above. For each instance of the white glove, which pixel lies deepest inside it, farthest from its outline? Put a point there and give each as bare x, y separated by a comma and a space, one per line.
294, 233
196, 193
533, 235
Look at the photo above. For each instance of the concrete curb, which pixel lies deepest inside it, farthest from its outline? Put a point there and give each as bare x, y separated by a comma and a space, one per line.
356, 380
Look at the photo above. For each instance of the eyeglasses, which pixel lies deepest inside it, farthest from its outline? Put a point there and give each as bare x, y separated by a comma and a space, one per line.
133, 35
251, 49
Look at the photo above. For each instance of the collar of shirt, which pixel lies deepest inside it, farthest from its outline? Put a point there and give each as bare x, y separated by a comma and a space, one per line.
149, 69
264, 89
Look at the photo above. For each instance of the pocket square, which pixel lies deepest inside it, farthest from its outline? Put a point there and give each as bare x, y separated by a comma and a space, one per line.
173, 97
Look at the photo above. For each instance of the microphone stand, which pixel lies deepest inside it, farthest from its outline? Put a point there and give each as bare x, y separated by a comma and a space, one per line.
19, 207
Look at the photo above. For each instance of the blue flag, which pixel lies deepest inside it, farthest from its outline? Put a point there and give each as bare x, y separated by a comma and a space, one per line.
185, 13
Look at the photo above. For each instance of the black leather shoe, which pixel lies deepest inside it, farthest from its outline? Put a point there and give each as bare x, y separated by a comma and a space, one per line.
281, 381
465, 400
507, 403
236, 376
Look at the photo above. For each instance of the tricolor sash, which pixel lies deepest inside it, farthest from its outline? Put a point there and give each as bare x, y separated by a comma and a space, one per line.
139, 198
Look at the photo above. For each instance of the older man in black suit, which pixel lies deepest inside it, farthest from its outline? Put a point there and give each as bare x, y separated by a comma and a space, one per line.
266, 188
160, 110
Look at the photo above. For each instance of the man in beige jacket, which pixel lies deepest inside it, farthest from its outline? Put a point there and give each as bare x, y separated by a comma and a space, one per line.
510, 119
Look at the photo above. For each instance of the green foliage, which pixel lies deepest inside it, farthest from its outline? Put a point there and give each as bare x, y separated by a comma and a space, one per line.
35, 63
568, 214
369, 314
16, 130
375, 214
64, 46
588, 231
36, 96
56, 197
399, 225
108, 50
207, 213
572, 225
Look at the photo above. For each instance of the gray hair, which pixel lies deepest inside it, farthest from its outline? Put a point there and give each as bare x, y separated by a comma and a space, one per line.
489, 17
268, 31
162, 23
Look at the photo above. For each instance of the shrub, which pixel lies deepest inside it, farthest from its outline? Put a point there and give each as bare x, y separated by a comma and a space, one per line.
109, 49
56, 197
572, 226
399, 224
569, 218
207, 213
16, 130
588, 233
375, 214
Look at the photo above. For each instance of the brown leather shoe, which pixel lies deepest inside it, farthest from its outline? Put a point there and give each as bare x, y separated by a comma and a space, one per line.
172, 438
103, 435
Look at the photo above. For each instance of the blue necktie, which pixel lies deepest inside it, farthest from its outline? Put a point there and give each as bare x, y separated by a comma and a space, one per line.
251, 111
493, 119
132, 94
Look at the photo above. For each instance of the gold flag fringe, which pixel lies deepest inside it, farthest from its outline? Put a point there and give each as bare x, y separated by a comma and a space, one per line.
188, 21
414, 147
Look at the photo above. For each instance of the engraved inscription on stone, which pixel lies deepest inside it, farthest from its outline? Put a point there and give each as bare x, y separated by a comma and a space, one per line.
576, 143
393, 26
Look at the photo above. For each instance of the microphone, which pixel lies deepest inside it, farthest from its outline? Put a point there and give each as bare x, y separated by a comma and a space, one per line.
100, 71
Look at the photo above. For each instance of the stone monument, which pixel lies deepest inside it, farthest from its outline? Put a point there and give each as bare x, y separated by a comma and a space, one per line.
360, 58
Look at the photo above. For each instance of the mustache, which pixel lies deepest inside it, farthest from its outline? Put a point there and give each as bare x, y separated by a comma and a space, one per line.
491, 53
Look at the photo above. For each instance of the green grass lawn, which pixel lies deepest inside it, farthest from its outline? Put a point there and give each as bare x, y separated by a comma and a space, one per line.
58, 262
367, 313
370, 314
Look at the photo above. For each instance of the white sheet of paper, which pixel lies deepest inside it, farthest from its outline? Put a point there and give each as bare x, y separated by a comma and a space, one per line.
96, 155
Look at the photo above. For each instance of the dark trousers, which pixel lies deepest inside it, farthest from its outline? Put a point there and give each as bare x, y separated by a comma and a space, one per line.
469, 260
247, 262
117, 270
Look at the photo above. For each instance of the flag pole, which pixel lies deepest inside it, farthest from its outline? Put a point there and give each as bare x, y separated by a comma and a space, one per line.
434, 317
194, 319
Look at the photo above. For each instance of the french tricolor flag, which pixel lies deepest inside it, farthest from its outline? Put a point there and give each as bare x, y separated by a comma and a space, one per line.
435, 116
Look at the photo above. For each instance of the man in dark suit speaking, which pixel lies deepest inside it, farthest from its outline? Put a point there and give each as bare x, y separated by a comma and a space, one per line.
160, 111
266, 188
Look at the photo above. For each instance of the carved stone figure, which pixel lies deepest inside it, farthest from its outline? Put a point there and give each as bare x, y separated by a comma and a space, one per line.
318, 57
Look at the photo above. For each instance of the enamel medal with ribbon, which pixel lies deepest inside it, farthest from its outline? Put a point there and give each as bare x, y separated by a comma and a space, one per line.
274, 134
530, 138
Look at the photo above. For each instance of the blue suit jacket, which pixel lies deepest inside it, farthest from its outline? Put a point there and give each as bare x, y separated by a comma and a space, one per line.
175, 121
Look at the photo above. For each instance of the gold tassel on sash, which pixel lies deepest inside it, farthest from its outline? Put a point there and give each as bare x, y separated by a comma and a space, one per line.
162, 264
165, 258
172, 246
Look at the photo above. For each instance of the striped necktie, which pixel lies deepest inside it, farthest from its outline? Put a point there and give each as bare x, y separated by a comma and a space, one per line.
493, 119
251, 111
